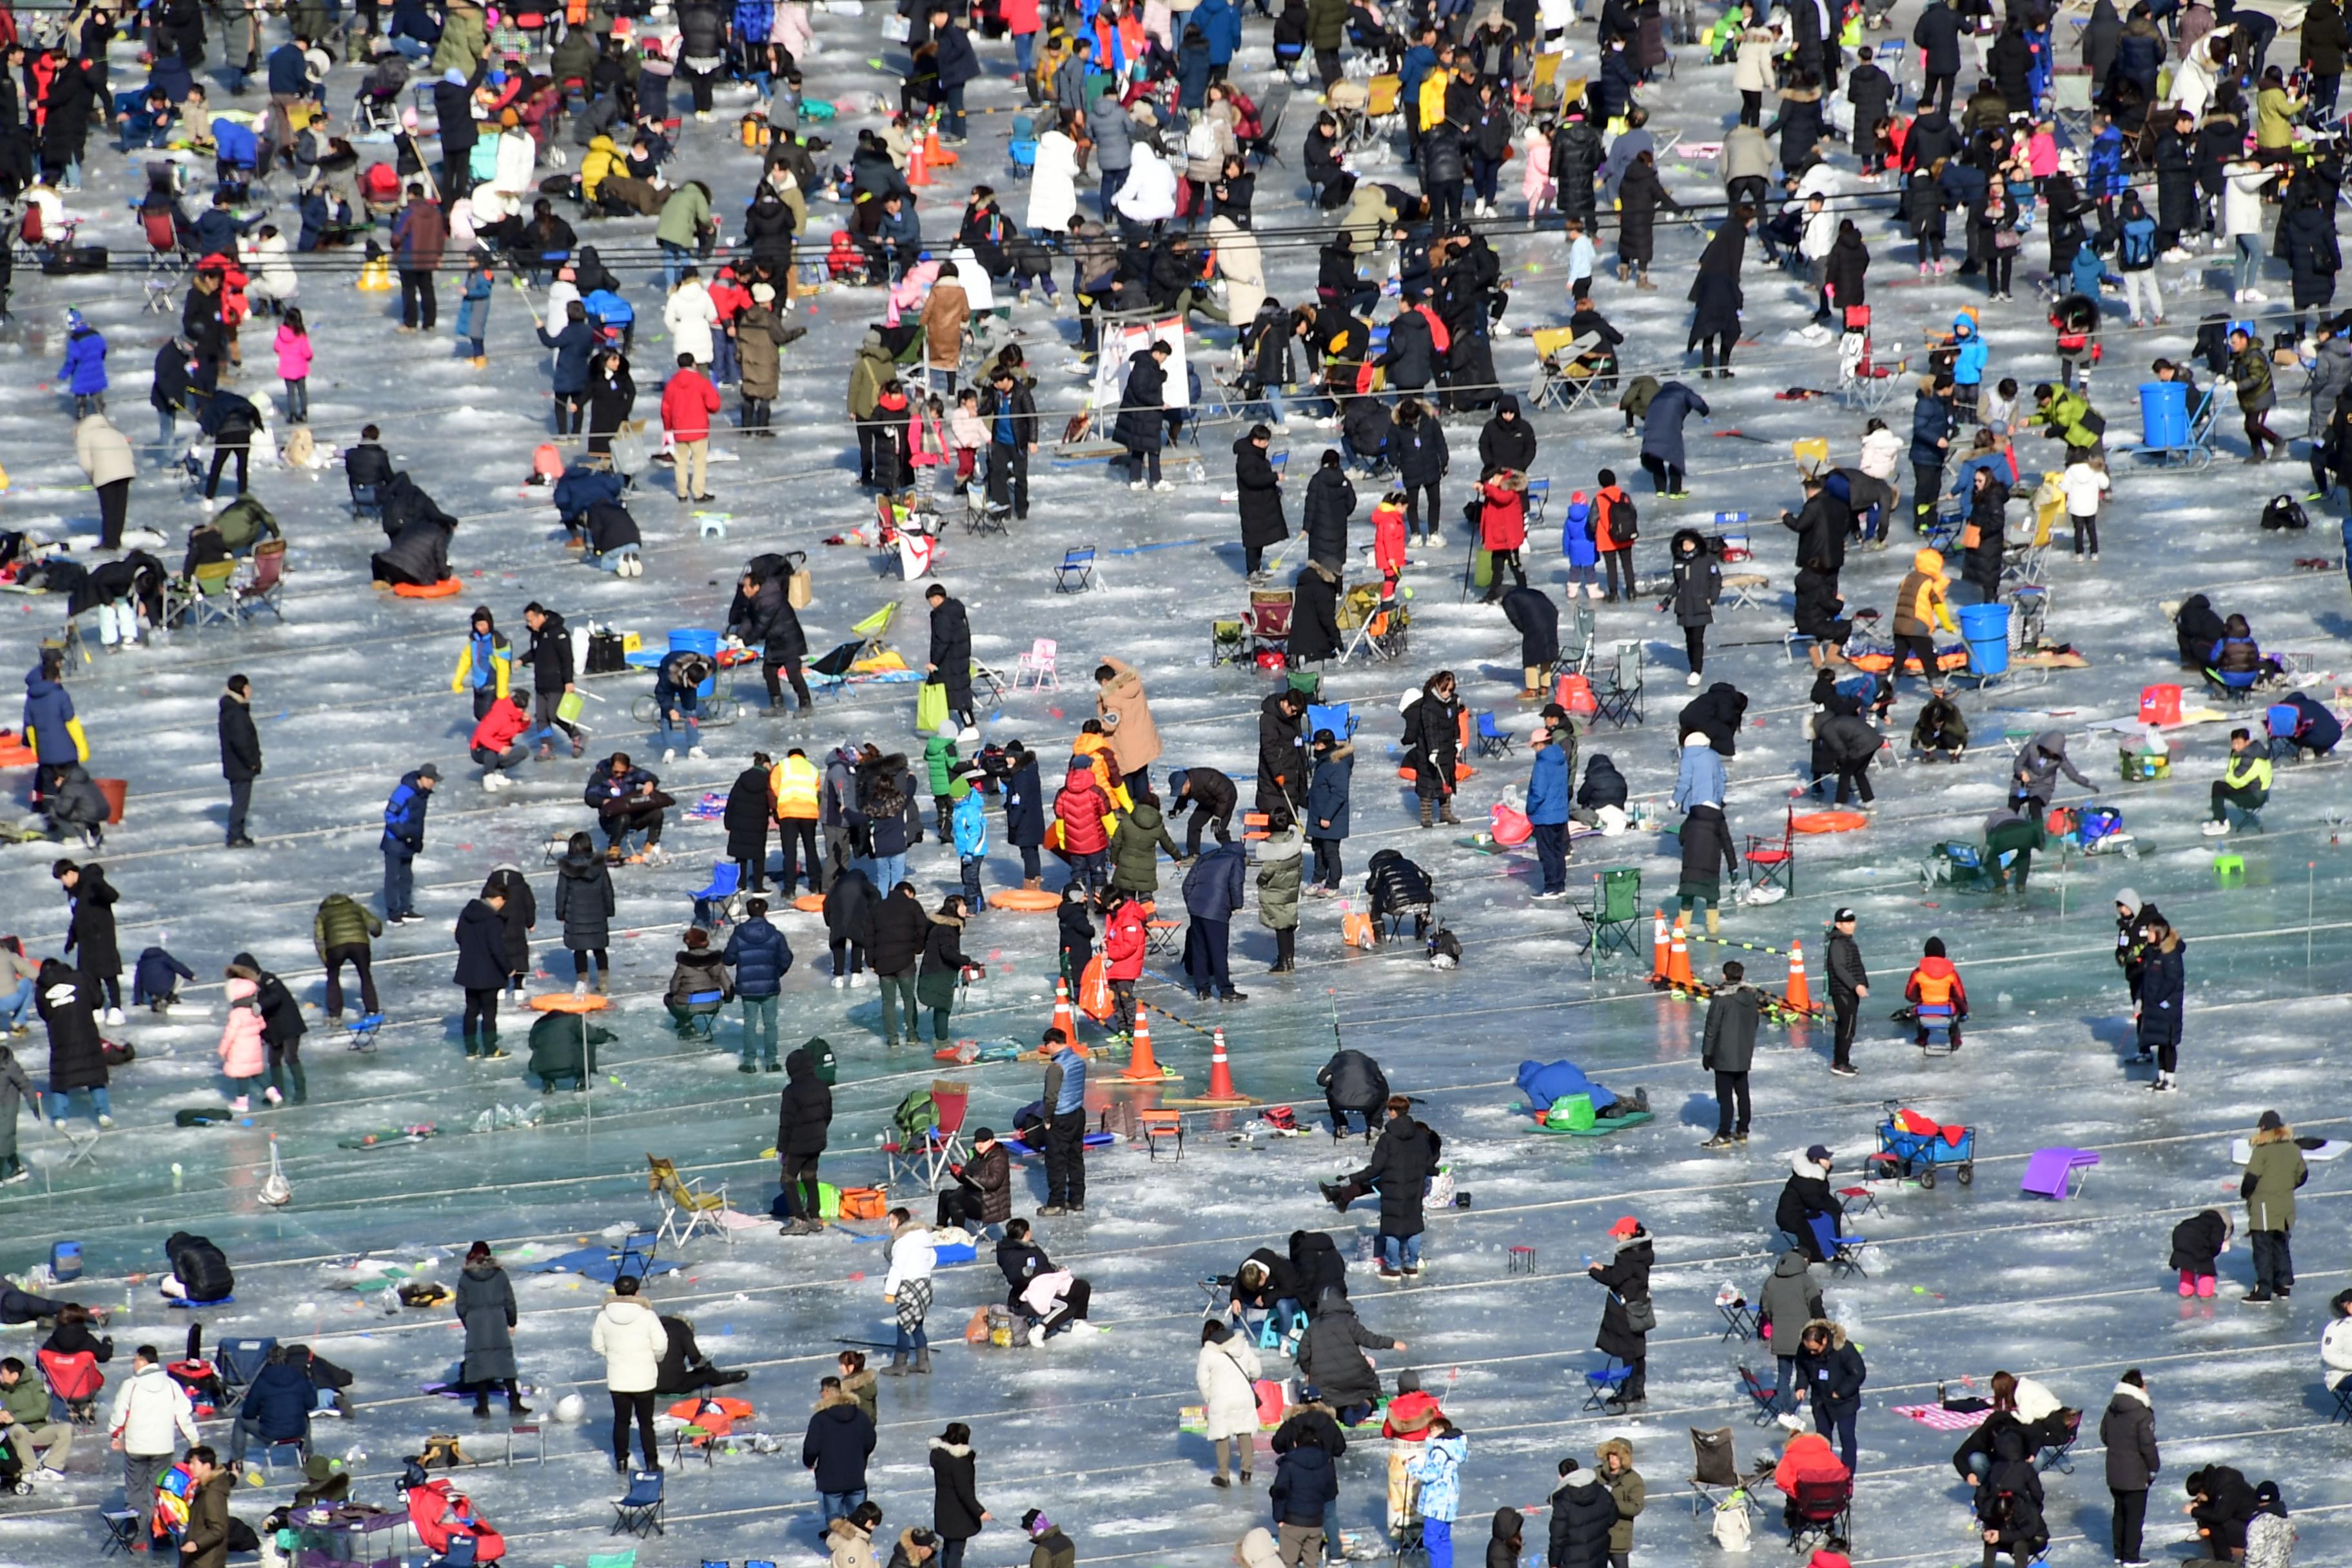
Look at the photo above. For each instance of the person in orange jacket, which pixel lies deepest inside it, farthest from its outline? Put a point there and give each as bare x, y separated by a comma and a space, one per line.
1389, 538
1936, 984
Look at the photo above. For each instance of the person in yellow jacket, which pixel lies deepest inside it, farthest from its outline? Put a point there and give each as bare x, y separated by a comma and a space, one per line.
2244, 786
484, 663
602, 158
1919, 609
1431, 101
792, 783
1094, 744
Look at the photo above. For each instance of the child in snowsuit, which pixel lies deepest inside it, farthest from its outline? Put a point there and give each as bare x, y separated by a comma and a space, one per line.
155, 978
2198, 1243
1934, 991
970, 829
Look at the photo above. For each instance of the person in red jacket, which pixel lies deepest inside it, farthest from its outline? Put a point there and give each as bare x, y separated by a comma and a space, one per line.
1615, 525
1123, 947
687, 402
1080, 807
1503, 526
1935, 991
494, 739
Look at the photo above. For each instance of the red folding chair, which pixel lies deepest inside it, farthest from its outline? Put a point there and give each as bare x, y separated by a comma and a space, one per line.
1773, 860
946, 1146
75, 1380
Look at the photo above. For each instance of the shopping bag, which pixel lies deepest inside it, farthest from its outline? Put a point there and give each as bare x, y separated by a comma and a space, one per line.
931, 708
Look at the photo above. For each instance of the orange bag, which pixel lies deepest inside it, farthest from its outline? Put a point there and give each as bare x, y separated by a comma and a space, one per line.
1573, 693
1094, 989
863, 1202
1356, 930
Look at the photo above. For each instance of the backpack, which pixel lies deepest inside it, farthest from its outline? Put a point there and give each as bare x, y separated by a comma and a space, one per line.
1624, 522
2284, 511
915, 1116
2138, 247
2093, 823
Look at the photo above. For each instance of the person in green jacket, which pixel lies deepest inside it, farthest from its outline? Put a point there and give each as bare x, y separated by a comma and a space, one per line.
1278, 876
1327, 29
1134, 846
947, 784
340, 932
685, 225
2273, 1170
2068, 417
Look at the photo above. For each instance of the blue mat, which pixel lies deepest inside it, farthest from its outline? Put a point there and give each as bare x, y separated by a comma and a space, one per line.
596, 1263
953, 1252
198, 1306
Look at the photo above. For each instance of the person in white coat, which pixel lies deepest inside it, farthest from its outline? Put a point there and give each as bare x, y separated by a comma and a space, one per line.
629, 1335
2242, 222
1241, 267
1054, 181
1227, 1373
269, 270
1148, 199
2336, 1343
689, 315
907, 1288
1752, 70
151, 1419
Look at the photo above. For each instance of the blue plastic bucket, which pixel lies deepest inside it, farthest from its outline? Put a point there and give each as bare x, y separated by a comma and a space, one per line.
65, 1261
1985, 628
2163, 415
694, 639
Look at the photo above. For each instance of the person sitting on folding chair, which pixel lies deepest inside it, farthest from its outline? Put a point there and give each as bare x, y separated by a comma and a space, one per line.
276, 1409
699, 986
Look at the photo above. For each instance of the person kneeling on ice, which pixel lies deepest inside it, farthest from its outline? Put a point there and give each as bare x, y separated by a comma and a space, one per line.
678, 680
494, 744
2198, 1243
1331, 1357
1061, 1301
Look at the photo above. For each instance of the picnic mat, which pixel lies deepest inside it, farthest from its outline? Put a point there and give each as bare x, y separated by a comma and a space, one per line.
1936, 1418
596, 1263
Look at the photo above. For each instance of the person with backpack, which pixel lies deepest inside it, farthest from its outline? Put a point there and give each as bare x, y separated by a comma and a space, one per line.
2136, 256
1616, 524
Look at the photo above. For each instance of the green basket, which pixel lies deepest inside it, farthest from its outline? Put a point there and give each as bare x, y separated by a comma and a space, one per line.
573, 704
1574, 1113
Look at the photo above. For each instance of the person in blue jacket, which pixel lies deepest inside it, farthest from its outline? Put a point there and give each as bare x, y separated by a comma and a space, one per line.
1969, 354
969, 824
571, 346
276, 1409
1220, 24
1547, 808
760, 958
1931, 443
1213, 892
49, 710
1328, 789
84, 370
403, 841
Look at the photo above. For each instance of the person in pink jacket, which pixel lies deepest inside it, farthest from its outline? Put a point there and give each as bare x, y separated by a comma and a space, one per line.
244, 1053
294, 366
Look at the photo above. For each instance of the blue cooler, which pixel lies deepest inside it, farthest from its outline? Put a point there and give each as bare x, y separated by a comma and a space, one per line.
65, 1261
2163, 415
696, 641
1985, 628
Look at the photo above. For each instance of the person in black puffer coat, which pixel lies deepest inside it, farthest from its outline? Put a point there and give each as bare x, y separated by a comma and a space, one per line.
1603, 785
1507, 440
1331, 1357
849, 912
803, 1114
1805, 1195
1717, 713
1432, 740
762, 613
1259, 490
1396, 885
1583, 1512
749, 820
200, 1271
1401, 1163
1315, 1258
1576, 158
1353, 1083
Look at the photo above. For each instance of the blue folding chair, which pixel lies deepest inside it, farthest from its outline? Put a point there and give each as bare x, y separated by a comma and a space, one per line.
363, 1032
1491, 740
1600, 1386
1843, 1252
1075, 575
286, 1455
1538, 496
1335, 717
640, 1513
701, 1019
715, 906
239, 1362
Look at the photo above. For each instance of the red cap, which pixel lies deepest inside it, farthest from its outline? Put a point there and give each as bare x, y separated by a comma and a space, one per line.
1625, 1227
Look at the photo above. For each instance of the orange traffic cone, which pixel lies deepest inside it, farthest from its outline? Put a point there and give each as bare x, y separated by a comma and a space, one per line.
1801, 991
1660, 963
918, 164
1678, 973
939, 157
1065, 1018
1220, 1074
1140, 1063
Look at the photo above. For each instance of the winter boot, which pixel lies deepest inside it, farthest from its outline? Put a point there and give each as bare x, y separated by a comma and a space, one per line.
1428, 814
923, 1361
897, 1367
482, 1403
2188, 1283
1714, 921
301, 1087
1446, 813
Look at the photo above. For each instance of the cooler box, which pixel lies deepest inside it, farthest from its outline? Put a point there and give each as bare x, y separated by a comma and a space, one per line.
1985, 628
2163, 415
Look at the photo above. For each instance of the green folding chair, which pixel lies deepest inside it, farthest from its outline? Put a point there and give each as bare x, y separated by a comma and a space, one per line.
1613, 917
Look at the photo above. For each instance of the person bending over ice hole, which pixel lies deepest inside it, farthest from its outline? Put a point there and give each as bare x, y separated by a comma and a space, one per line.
2198, 1244
1266, 1283
1401, 1163
1353, 1085
1331, 1357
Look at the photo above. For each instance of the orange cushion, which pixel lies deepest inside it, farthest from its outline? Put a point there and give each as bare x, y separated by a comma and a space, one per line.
565, 1002
446, 588
1024, 898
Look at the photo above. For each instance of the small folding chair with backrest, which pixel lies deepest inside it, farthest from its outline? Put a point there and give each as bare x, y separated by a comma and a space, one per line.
263, 589
1162, 1126
1818, 1511
121, 1532
1715, 1470
1263, 146
1040, 666
239, 1362
874, 629
1843, 1252
1576, 642
74, 1382
1491, 740
946, 1144
208, 600
1568, 373
167, 258
1602, 1385
1612, 918
1618, 692
720, 904
639, 1513
1265, 628
1337, 716
1772, 861
1075, 575
1763, 1398
687, 1207
830, 672
2339, 1383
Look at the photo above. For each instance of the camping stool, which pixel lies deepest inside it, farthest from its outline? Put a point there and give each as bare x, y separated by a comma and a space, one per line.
2050, 1174
2228, 865
1747, 589
1522, 1260
1857, 1200
688, 1434
81, 1145
711, 524
1162, 935
121, 1530
1739, 1319
533, 1431
1158, 1125
362, 1032
1599, 1387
